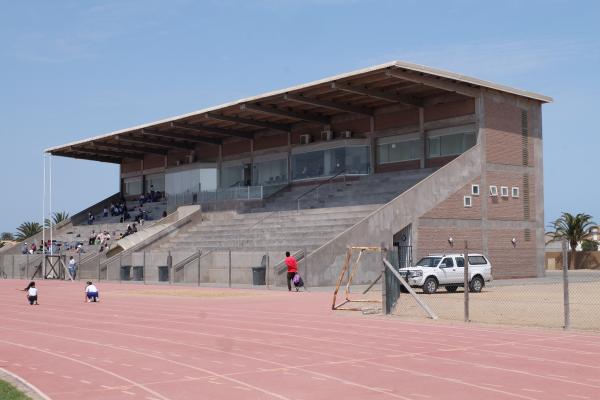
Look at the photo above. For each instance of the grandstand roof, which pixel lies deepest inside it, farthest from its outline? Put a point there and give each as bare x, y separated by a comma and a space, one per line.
358, 92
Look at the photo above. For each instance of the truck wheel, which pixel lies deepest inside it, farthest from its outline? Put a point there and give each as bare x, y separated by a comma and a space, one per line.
451, 288
430, 285
476, 284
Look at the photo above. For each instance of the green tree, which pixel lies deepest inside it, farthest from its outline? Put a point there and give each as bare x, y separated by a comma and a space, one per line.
57, 217
7, 236
27, 229
573, 229
589, 245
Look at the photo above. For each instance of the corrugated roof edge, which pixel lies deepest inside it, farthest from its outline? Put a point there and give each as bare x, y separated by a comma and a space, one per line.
400, 64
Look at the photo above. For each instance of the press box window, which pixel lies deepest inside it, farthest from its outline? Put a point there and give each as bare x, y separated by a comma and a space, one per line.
468, 201
515, 192
450, 141
475, 190
503, 191
493, 190
399, 148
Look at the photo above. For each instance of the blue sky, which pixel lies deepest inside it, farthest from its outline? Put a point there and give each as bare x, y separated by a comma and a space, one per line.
74, 69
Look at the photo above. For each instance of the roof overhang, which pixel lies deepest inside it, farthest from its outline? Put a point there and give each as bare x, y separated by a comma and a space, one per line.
358, 92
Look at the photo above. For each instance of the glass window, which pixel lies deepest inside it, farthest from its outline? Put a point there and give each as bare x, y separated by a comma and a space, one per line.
132, 186
447, 263
460, 261
272, 172
191, 180
357, 160
430, 262
155, 182
232, 176
323, 163
477, 260
396, 149
450, 141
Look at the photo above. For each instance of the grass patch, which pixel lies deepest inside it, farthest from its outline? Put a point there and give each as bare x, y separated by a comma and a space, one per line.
9, 392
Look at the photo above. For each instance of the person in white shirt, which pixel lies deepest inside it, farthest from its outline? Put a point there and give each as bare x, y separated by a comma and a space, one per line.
72, 267
32, 293
91, 292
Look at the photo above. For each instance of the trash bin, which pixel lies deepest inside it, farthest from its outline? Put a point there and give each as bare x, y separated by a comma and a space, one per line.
163, 274
258, 275
125, 273
138, 273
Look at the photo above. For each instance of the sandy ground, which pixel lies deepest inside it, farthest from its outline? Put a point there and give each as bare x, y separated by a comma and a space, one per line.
530, 305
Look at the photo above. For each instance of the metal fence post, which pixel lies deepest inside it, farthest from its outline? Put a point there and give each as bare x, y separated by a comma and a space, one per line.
199, 270
120, 268
466, 281
229, 267
78, 269
267, 272
13, 268
305, 268
170, 267
567, 308
144, 267
98, 256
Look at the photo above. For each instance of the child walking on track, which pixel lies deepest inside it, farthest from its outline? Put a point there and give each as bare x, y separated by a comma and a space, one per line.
91, 292
292, 268
32, 294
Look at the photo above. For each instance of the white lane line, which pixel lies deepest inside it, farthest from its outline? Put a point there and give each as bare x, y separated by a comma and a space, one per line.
217, 361
191, 378
75, 360
17, 365
241, 388
33, 368
492, 384
575, 396
215, 382
49, 372
126, 365
238, 365
168, 373
420, 395
108, 361
146, 369
66, 376
532, 390
127, 392
558, 376
84, 381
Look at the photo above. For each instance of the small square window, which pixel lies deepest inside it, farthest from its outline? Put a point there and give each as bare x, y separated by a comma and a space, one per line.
467, 201
475, 190
504, 191
493, 190
515, 192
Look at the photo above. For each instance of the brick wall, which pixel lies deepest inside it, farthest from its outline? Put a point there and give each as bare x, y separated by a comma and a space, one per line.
153, 161
453, 206
131, 166
271, 141
435, 240
449, 110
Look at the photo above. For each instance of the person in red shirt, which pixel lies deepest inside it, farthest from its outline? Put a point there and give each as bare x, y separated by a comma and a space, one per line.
292, 268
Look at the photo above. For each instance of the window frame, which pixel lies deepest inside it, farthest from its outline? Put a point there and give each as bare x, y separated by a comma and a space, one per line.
475, 189
467, 201
515, 192
493, 191
503, 191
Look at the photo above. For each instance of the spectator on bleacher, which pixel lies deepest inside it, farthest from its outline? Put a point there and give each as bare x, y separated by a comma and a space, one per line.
134, 228
92, 238
142, 199
90, 218
164, 214
33, 247
105, 212
24, 249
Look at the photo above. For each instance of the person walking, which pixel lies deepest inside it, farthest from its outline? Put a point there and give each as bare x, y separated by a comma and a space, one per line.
72, 268
292, 268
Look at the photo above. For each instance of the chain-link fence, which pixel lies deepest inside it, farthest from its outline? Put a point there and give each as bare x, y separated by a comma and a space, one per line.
561, 298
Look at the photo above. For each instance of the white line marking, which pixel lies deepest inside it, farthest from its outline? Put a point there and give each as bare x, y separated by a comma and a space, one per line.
26, 383
17, 364
532, 390
49, 372
129, 393
241, 388
575, 396
168, 373
66, 377
420, 395
84, 381
217, 361
146, 369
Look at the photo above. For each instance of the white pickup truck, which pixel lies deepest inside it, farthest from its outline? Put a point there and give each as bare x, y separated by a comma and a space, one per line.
448, 270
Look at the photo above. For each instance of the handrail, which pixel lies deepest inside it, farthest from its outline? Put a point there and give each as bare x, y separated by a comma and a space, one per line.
318, 186
280, 267
198, 254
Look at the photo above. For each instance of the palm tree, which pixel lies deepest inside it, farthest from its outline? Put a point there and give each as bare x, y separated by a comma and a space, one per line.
573, 229
57, 217
27, 229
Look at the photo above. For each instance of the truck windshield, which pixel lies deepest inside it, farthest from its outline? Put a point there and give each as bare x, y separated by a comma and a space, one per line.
431, 262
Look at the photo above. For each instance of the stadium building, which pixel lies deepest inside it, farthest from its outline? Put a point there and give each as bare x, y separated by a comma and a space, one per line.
396, 154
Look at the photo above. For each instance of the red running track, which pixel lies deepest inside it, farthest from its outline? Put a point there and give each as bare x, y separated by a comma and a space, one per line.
273, 345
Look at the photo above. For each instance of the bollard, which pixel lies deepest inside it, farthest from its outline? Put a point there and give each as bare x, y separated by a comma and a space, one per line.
199, 270
229, 267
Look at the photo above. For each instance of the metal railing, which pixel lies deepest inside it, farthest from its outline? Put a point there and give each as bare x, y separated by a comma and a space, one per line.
316, 188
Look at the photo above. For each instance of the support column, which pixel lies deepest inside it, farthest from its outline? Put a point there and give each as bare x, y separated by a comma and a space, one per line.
373, 144
422, 136
481, 139
220, 166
